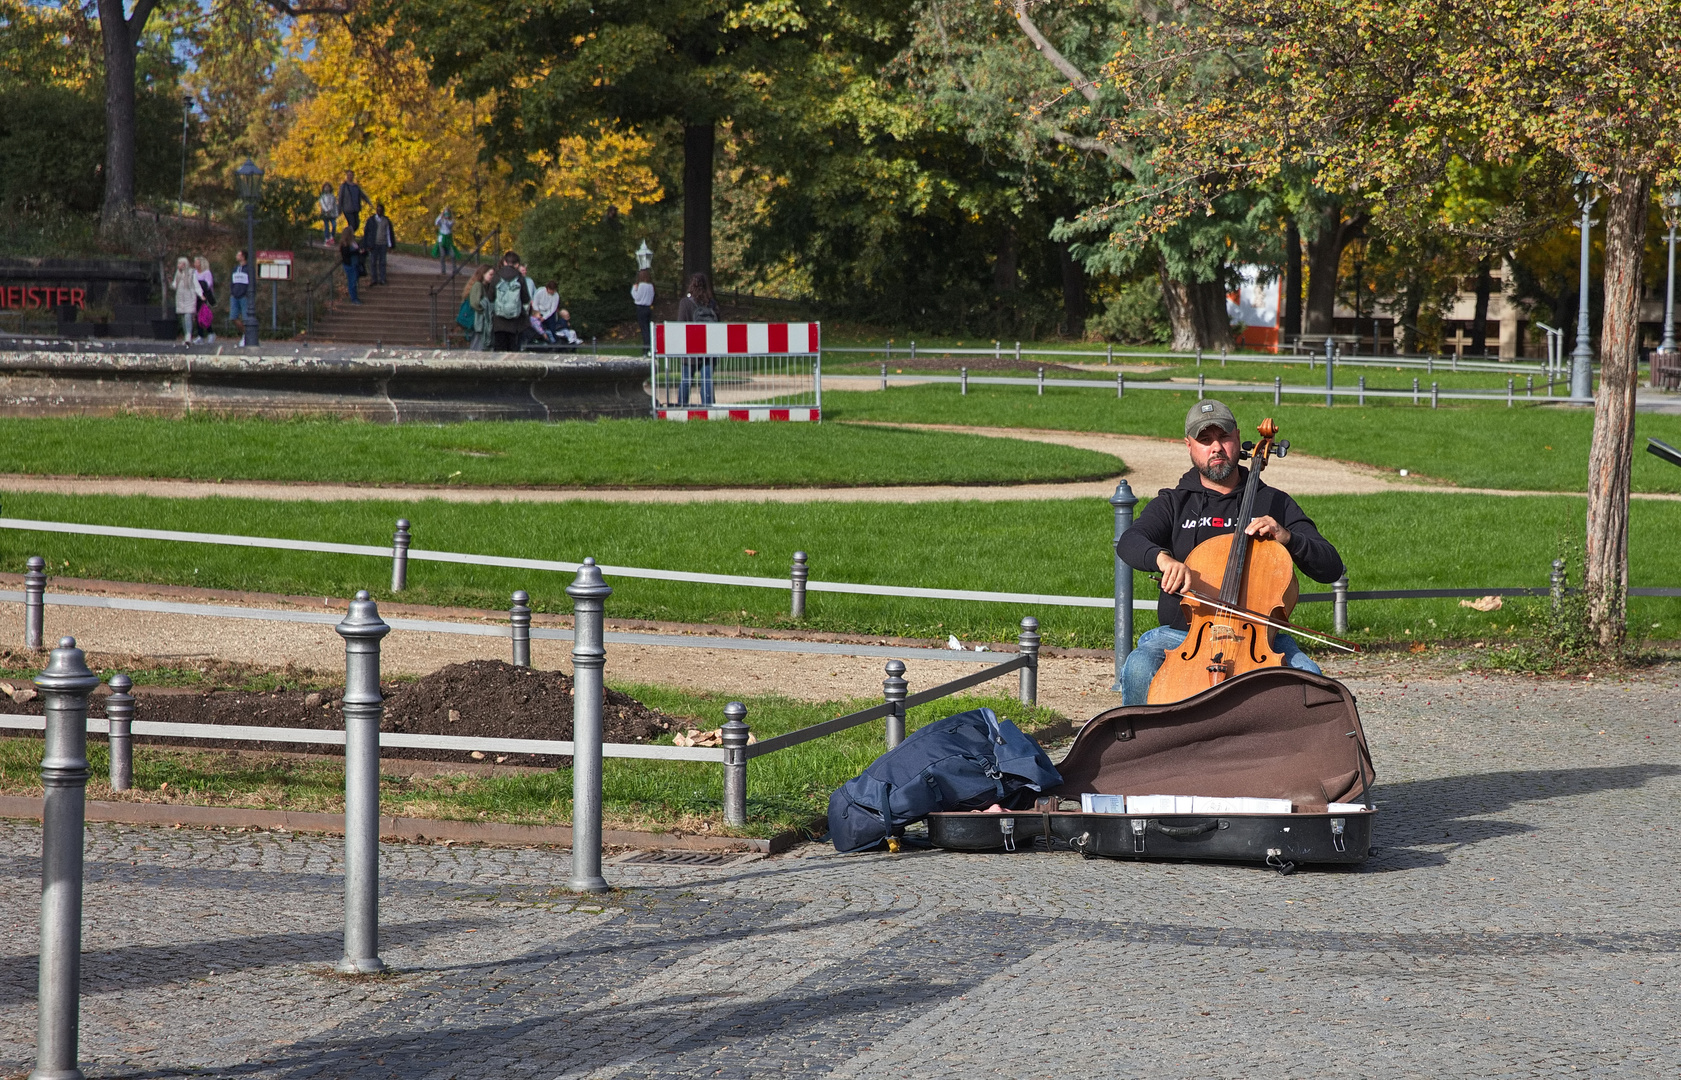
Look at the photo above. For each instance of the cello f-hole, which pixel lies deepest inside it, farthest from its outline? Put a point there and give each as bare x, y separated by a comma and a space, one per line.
1196, 646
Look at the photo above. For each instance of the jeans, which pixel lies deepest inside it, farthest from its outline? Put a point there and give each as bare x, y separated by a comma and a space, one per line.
376, 264
350, 276
689, 367
1145, 660
237, 307
446, 252
645, 319
327, 224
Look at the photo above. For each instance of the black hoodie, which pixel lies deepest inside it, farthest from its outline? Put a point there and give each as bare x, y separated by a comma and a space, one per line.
1179, 519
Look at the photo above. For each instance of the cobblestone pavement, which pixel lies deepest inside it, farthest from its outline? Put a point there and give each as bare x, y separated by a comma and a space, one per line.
1519, 919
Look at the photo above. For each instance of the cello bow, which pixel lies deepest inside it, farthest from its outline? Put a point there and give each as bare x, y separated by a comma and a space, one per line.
1276, 624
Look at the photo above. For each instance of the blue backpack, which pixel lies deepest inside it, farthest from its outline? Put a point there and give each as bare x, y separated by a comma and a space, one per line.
964, 762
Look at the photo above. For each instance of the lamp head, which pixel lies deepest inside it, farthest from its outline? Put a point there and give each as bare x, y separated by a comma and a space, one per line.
250, 179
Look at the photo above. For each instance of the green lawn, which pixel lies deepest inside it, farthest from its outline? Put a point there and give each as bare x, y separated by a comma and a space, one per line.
621, 453
1395, 540
1526, 448
785, 790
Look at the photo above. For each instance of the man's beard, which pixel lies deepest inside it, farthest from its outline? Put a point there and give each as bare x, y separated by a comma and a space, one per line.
1217, 472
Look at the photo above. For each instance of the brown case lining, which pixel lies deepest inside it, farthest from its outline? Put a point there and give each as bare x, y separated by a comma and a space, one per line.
1277, 733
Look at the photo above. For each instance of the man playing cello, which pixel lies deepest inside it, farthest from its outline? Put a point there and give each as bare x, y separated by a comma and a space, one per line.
1206, 504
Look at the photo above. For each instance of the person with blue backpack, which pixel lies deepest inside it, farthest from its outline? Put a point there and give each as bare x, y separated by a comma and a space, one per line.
510, 304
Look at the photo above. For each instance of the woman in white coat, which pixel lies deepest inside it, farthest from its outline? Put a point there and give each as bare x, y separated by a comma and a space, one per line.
187, 294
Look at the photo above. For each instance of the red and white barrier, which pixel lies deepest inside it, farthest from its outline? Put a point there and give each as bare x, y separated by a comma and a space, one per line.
751, 412
736, 339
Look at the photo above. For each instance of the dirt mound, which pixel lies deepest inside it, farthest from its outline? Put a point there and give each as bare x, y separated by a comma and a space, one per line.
483, 697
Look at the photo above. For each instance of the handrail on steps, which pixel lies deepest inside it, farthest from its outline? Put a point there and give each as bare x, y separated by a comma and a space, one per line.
330, 279
471, 258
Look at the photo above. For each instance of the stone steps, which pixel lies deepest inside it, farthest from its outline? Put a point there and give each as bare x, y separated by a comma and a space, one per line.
397, 313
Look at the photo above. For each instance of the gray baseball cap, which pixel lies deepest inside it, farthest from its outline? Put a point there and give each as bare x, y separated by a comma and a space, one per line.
1204, 413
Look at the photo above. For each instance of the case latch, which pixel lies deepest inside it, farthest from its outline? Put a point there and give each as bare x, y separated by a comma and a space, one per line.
1138, 827
1007, 825
1338, 825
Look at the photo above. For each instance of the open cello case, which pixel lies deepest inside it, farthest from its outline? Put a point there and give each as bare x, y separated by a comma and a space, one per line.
1245, 759
1274, 733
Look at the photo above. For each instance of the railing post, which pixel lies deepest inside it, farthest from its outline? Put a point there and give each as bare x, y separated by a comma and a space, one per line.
1557, 584
1120, 383
884, 375
734, 737
1109, 353
119, 718
1529, 386
1041, 373
1330, 371
1200, 380
1362, 390
798, 575
1018, 352
1123, 501
1339, 604
362, 629
1508, 393
400, 556
1028, 642
1277, 389
895, 689
589, 656
1415, 389
1435, 395
519, 628
913, 352
34, 602
963, 380
65, 684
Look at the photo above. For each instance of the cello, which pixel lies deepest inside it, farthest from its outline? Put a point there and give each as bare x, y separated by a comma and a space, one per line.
1232, 631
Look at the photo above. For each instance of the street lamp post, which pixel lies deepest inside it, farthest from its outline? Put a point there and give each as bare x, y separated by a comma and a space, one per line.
1581, 360
251, 191
186, 114
1671, 217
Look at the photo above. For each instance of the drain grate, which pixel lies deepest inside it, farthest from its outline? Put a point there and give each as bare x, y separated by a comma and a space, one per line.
684, 858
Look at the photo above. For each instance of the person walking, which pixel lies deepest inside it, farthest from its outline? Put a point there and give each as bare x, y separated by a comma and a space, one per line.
379, 237
697, 305
350, 256
511, 304
329, 206
206, 314
239, 293
642, 295
446, 240
351, 198
185, 284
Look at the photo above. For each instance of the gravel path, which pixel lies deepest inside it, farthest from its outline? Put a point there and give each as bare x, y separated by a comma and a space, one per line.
1519, 919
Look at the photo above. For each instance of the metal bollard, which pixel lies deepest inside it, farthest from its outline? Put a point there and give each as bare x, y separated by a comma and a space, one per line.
735, 733
963, 380
1120, 384
913, 352
1339, 604
1109, 353
1415, 390
1041, 376
798, 575
400, 556
362, 629
1018, 352
1454, 360
1508, 393
34, 593
1200, 380
1028, 642
1199, 356
895, 689
1222, 356
1430, 364
1123, 501
519, 628
1558, 584
119, 719
589, 656
1277, 389
1362, 398
65, 684
1435, 395
1330, 372
884, 375
1529, 386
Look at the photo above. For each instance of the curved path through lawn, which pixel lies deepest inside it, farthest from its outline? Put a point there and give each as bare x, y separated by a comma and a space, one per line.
1150, 464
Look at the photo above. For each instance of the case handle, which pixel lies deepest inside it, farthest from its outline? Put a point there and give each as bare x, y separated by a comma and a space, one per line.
1185, 832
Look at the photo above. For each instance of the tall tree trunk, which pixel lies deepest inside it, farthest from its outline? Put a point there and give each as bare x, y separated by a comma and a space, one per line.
1292, 283
1073, 294
1610, 457
1324, 262
1004, 265
1197, 312
1406, 334
1479, 318
120, 36
699, 148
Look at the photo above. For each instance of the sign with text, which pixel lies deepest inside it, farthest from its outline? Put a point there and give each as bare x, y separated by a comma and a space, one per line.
274, 265
41, 296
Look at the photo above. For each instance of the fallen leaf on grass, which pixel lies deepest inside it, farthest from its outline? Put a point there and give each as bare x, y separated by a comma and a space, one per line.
748, 551
477, 755
1487, 603
1417, 646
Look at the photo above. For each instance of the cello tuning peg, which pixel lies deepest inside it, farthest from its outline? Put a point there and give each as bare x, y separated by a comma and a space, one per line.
1248, 446
1282, 447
